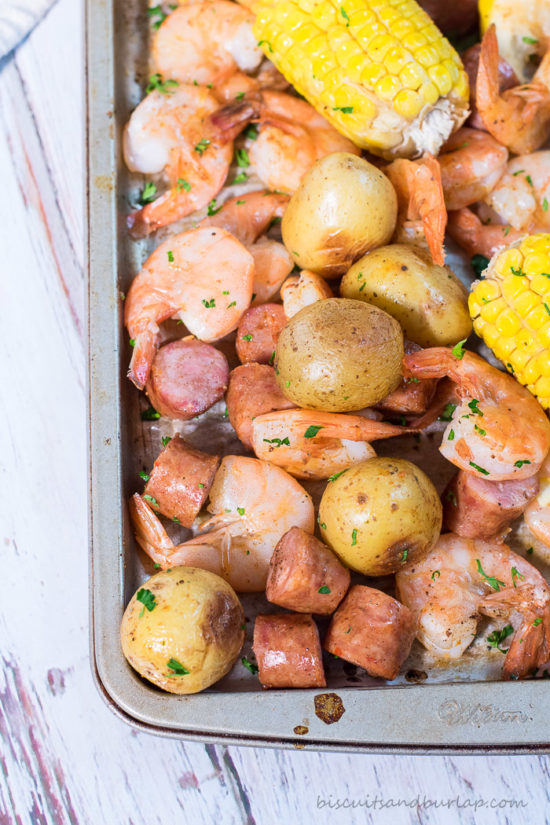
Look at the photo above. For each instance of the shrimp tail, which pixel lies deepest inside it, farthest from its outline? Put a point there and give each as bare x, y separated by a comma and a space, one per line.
150, 534
475, 238
230, 120
444, 394
429, 201
142, 356
488, 87
434, 362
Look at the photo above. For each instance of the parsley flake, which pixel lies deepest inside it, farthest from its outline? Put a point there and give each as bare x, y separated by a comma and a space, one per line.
436, 573
520, 463
346, 110
250, 665
148, 193
150, 414
240, 511
177, 668
451, 436
183, 184
278, 442
151, 500
209, 304
334, 476
495, 583
496, 638
353, 537
166, 439
165, 87
147, 599
447, 413
324, 590
202, 146
405, 555
213, 208
479, 469
170, 256
458, 350
246, 337
312, 431
516, 575
479, 264
144, 476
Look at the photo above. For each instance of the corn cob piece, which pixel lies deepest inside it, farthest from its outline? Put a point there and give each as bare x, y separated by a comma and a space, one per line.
510, 308
379, 70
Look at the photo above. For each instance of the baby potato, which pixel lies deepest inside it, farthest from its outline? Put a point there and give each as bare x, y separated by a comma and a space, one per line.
343, 207
429, 301
381, 515
338, 355
183, 629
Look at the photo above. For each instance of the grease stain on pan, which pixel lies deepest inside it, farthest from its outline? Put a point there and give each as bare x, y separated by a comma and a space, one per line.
329, 708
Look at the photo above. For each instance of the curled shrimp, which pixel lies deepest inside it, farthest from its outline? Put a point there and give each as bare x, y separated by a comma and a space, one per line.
518, 117
203, 277
521, 196
292, 137
498, 429
477, 238
299, 291
471, 163
537, 513
422, 215
316, 445
461, 578
253, 504
206, 42
248, 217
174, 134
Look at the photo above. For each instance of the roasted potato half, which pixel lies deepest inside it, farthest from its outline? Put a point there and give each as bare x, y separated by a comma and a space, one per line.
429, 301
183, 629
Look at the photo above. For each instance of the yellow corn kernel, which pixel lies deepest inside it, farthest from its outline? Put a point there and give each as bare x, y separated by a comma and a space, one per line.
490, 311
512, 286
323, 15
508, 323
535, 263
371, 74
407, 103
487, 290
543, 335
388, 87
526, 302
412, 76
504, 348
542, 391
541, 283
509, 261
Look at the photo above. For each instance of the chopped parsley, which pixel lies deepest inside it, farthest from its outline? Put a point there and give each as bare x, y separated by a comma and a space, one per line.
202, 146
278, 442
271, 360
144, 476
240, 511
147, 599
165, 87
520, 463
177, 668
452, 498
519, 172
157, 15
183, 184
537, 622
480, 430
132, 342
322, 525
458, 350
474, 408
324, 590
176, 519
334, 476
495, 583
530, 551
150, 414
170, 256
239, 96
213, 208
479, 469
435, 573
152, 500
531, 41
267, 43
518, 272
405, 555
148, 193
344, 14
496, 638
166, 439
451, 436
545, 205
479, 264
353, 537
242, 177
232, 304
516, 575
209, 304
200, 485
447, 413
246, 337
242, 158
250, 665
312, 431
346, 110
251, 132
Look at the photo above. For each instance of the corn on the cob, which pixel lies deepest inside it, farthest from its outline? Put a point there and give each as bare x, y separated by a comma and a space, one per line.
379, 70
510, 308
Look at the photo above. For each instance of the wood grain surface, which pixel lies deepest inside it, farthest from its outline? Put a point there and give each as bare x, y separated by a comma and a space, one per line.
64, 757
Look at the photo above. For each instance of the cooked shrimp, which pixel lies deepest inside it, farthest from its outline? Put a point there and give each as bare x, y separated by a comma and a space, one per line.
316, 445
203, 277
292, 137
518, 117
299, 291
506, 79
471, 163
240, 84
477, 238
537, 514
253, 504
248, 217
422, 215
174, 134
461, 578
522, 195
206, 42
498, 429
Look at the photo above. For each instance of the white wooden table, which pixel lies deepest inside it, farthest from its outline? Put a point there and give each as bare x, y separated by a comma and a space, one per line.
64, 757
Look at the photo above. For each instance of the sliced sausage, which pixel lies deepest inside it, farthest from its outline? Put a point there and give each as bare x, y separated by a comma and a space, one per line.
413, 395
305, 575
476, 508
253, 390
180, 481
187, 377
288, 651
372, 630
258, 333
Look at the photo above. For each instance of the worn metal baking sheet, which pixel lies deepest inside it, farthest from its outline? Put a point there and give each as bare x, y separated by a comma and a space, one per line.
429, 708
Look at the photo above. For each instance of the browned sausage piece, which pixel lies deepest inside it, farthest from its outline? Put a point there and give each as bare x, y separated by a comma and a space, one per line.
180, 481
413, 395
187, 378
288, 651
258, 333
305, 575
479, 509
452, 18
372, 630
253, 391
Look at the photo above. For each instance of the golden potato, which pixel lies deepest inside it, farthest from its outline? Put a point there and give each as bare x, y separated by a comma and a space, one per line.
338, 355
343, 207
381, 515
193, 634
429, 301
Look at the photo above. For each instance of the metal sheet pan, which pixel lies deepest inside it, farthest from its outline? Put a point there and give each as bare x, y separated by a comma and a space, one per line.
464, 708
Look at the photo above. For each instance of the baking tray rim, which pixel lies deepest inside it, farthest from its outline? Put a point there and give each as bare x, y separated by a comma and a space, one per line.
120, 689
